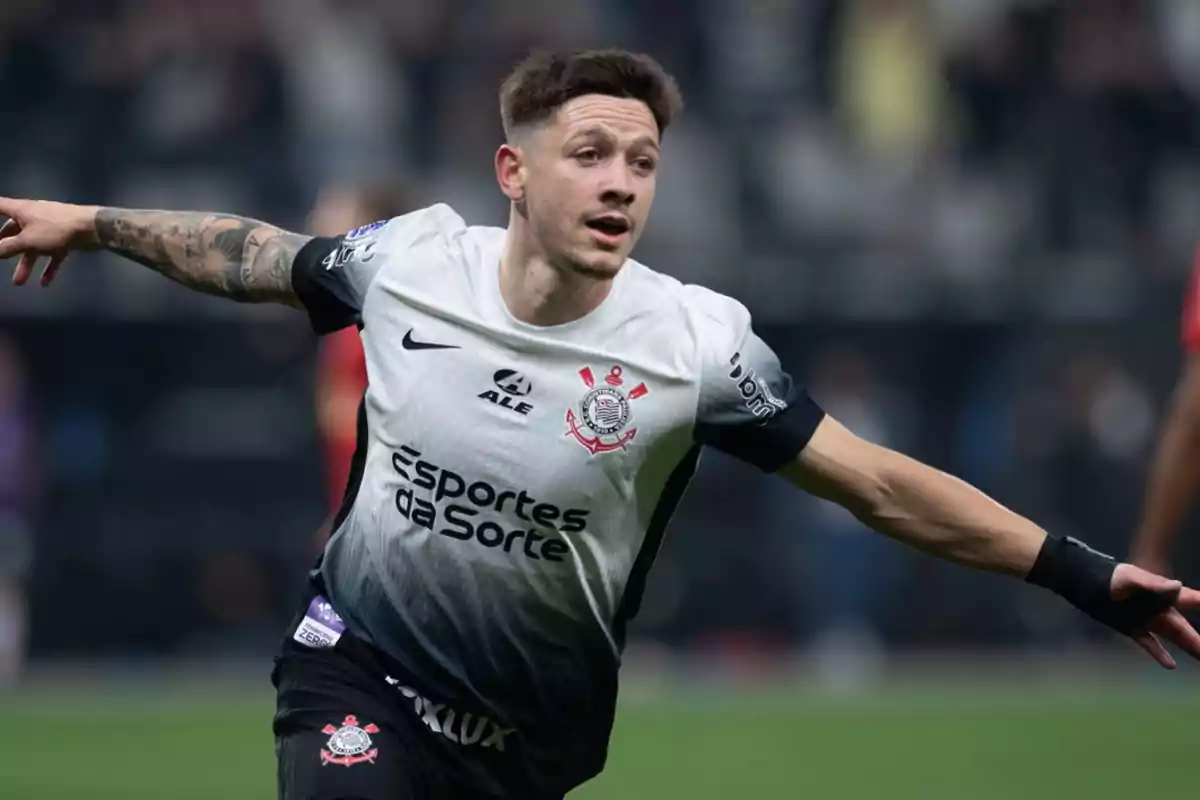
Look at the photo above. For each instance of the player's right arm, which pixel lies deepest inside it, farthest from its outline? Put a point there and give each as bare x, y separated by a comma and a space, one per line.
220, 254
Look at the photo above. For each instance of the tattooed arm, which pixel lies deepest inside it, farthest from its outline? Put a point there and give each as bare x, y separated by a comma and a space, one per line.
220, 254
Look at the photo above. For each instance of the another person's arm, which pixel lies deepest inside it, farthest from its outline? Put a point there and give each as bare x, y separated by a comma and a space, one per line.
220, 254
1174, 476
1175, 471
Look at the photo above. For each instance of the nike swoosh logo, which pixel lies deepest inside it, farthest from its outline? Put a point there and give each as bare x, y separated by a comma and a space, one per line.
410, 343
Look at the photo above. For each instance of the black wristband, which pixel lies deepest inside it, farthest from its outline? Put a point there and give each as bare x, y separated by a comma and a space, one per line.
1083, 577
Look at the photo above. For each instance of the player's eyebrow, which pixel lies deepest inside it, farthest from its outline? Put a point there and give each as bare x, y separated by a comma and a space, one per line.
594, 132
597, 132
645, 141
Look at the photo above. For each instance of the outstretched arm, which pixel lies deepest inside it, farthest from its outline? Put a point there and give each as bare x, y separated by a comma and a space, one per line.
220, 254
941, 515
750, 408
1174, 476
914, 503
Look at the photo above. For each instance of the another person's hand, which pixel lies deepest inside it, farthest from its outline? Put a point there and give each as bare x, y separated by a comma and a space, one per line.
1151, 561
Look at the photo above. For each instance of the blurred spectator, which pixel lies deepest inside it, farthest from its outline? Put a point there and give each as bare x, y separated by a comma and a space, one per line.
844, 575
1104, 429
18, 471
1120, 113
345, 89
891, 93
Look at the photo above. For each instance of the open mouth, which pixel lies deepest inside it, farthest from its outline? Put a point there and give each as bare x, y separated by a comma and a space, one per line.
610, 226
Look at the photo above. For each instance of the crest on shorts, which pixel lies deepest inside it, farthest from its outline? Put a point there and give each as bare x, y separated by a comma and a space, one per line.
600, 421
349, 744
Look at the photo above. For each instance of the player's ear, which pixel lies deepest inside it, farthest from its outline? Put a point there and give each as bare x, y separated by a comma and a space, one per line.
511, 172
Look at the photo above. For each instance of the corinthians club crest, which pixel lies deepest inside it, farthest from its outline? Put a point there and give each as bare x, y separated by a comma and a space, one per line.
349, 744
599, 422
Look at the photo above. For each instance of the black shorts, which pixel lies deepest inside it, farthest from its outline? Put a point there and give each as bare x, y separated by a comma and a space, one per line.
348, 727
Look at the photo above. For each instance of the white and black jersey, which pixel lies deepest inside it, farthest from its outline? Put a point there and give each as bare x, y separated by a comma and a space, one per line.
513, 482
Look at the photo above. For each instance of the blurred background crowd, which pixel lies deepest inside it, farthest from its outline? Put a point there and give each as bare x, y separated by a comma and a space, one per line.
966, 225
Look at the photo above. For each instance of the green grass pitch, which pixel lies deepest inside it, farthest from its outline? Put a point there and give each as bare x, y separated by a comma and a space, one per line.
960, 744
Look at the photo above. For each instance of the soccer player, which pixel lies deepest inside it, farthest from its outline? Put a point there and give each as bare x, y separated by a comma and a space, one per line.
1175, 471
537, 402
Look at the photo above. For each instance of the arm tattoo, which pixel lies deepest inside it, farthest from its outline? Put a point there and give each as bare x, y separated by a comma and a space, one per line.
220, 254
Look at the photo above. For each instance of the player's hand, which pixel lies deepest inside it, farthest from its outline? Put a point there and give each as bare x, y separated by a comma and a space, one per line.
37, 228
1169, 626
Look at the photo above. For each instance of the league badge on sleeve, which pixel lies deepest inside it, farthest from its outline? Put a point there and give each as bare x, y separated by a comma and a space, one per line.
364, 230
350, 744
601, 426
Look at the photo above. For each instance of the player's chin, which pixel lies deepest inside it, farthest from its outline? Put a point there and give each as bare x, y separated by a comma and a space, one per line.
599, 265
601, 260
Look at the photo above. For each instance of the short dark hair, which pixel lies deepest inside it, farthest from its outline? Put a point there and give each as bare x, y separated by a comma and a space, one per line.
544, 81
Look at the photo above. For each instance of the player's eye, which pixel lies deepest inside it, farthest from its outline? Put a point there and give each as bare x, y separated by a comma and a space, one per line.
645, 164
588, 156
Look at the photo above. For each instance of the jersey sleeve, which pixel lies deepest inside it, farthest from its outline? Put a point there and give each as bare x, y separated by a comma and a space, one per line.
1190, 333
749, 406
332, 274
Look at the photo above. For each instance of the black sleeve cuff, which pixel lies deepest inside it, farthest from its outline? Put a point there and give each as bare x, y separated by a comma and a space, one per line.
767, 445
327, 297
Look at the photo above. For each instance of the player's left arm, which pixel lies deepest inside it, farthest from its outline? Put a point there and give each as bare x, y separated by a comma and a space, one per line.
946, 517
750, 408
914, 503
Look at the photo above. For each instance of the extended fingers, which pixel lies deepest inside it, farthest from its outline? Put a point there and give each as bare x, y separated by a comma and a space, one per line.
24, 268
12, 245
1189, 599
1173, 627
56, 262
1150, 643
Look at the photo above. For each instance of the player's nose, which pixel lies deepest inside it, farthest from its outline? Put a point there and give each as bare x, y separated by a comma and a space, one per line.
617, 188
617, 193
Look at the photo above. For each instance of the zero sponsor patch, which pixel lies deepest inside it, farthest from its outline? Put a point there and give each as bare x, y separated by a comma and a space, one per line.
321, 627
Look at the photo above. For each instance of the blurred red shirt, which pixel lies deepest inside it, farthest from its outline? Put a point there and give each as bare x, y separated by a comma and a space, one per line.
341, 382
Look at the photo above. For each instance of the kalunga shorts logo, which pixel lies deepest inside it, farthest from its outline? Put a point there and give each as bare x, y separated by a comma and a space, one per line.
349, 744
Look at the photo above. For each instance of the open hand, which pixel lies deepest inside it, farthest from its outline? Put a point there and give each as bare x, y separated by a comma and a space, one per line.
38, 228
1170, 625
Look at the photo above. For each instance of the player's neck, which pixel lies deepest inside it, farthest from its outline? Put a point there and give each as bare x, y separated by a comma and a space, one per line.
539, 293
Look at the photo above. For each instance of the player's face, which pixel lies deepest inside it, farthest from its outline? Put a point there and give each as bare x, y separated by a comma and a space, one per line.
590, 182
